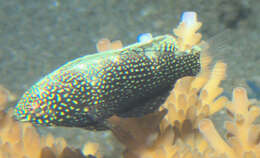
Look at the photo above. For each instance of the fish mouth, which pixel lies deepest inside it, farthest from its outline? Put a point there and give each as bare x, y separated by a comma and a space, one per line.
19, 114
23, 111
18, 117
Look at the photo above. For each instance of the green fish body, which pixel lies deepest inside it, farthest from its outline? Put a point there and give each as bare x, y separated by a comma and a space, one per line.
127, 82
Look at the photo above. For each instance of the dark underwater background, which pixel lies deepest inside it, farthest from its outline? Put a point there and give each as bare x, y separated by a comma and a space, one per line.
37, 36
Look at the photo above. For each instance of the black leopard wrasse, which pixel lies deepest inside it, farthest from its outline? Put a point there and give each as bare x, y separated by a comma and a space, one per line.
128, 82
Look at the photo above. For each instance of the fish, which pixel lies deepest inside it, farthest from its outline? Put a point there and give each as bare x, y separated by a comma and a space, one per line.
129, 82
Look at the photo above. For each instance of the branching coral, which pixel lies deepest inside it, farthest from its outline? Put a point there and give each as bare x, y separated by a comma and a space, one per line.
194, 98
143, 139
137, 134
243, 138
91, 149
191, 100
22, 140
184, 132
186, 31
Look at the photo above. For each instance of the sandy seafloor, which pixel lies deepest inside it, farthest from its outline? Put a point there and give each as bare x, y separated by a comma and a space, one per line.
38, 36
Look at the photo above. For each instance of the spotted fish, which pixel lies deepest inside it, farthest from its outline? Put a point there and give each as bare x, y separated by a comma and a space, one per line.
129, 82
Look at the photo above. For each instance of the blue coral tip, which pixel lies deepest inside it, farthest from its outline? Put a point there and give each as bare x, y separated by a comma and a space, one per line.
144, 37
189, 17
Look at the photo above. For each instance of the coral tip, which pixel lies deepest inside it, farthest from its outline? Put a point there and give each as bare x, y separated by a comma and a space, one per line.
189, 18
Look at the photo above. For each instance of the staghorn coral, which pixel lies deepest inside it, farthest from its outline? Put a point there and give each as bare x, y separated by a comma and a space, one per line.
137, 134
160, 135
191, 100
91, 149
143, 138
243, 138
22, 140
186, 31
176, 135
140, 142
194, 98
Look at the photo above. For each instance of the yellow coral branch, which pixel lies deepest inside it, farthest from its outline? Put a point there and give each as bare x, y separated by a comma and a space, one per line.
243, 135
210, 133
186, 31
